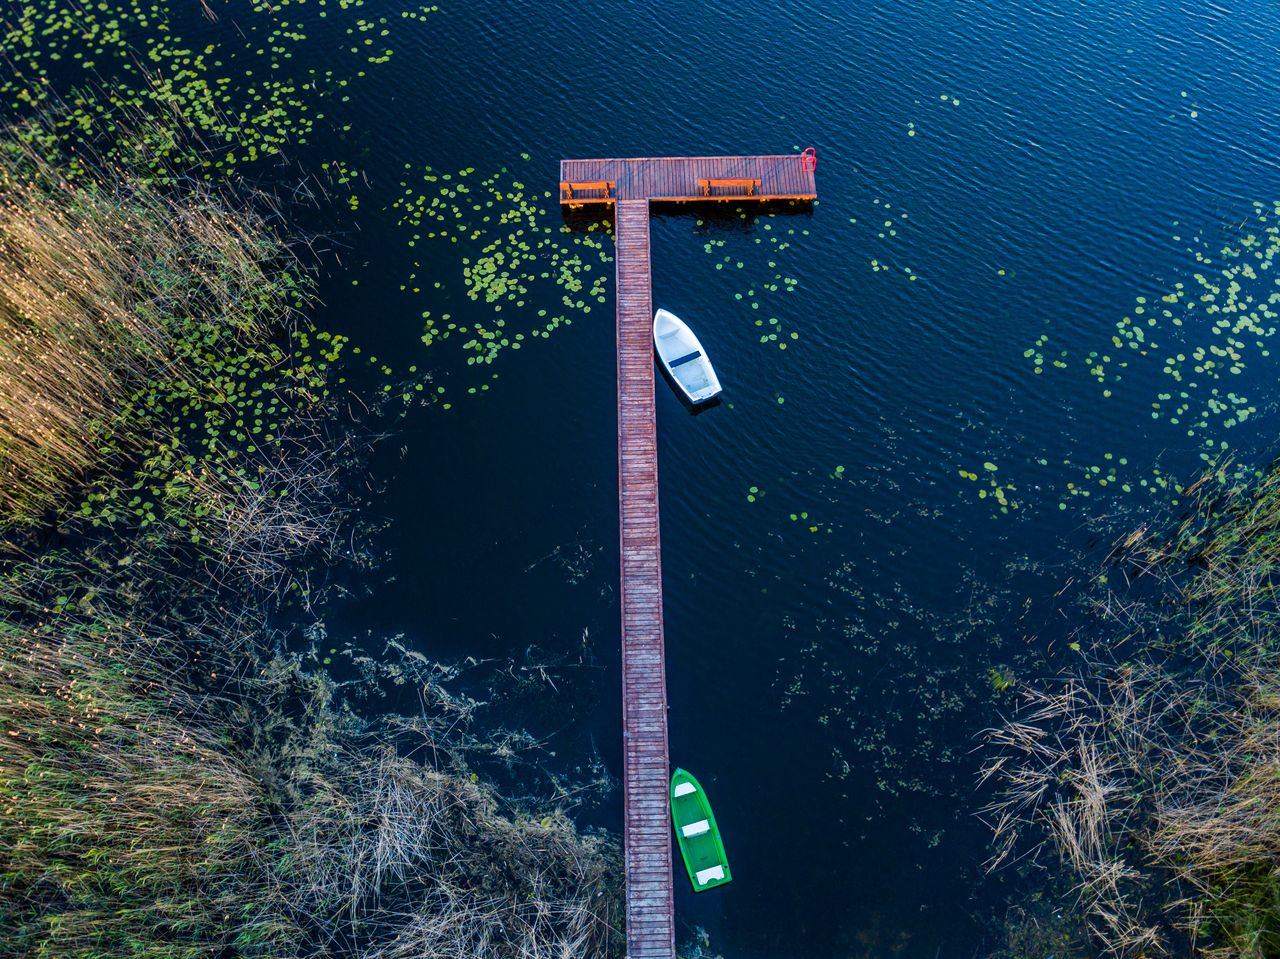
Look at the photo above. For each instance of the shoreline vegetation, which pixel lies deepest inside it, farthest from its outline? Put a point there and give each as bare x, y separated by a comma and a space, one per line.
1149, 770
109, 284
174, 782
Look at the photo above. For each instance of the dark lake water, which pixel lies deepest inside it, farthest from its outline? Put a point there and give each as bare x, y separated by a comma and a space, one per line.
837, 587
828, 686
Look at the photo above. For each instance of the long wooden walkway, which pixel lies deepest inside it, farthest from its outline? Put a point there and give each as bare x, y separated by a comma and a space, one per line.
647, 830
630, 185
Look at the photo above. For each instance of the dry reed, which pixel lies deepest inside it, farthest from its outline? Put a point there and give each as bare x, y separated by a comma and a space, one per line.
97, 275
1156, 777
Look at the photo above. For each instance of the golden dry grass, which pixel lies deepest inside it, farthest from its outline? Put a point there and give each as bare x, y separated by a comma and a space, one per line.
95, 274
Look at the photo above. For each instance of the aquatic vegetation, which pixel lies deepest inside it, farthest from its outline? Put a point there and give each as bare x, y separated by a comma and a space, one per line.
892, 220
1193, 111
136, 818
173, 784
776, 333
1037, 926
1149, 765
803, 518
136, 326
259, 526
1200, 334
344, 181
1001, 680
221, 91
772, 232
889, 220
510, 250
220, 419
124, 828
1035, 353
885, 678
990, 485
877, 675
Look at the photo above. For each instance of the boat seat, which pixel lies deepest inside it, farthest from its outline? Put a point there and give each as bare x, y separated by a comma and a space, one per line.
706, 875
683, 789
695, 829
685, 359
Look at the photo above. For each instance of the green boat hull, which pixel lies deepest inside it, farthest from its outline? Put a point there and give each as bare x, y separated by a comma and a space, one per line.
697, 833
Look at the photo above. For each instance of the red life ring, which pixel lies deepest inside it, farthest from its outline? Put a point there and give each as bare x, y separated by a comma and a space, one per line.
809, 159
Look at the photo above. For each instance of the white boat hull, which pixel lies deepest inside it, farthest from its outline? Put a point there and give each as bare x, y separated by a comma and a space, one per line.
683, 357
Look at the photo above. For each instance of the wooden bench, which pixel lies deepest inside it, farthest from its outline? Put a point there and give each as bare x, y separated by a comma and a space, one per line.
603, 186
748, 185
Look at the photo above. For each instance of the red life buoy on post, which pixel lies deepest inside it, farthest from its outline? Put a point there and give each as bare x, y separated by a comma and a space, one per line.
809, 159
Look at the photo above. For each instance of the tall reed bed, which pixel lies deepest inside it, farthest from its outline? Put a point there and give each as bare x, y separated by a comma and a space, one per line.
126, 828
141, 817
172, 785
98, 277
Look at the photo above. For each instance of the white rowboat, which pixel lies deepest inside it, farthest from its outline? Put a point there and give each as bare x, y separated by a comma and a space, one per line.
683, 358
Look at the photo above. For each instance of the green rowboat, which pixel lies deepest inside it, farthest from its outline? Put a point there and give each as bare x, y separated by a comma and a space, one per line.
697, 833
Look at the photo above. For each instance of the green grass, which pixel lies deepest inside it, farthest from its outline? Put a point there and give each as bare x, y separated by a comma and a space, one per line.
171, 784
141, 818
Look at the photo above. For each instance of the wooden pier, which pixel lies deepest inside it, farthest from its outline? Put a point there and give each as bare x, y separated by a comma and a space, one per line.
688, 179
630, 186
647, 826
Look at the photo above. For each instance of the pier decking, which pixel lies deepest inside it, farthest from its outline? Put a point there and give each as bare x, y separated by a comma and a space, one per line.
647, 827
687, 179
630, 186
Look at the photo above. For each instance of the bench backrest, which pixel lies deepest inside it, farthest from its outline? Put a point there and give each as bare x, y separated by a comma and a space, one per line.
605, 186
742, 183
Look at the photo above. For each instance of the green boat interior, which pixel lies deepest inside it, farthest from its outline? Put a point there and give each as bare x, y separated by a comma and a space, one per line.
697, 833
